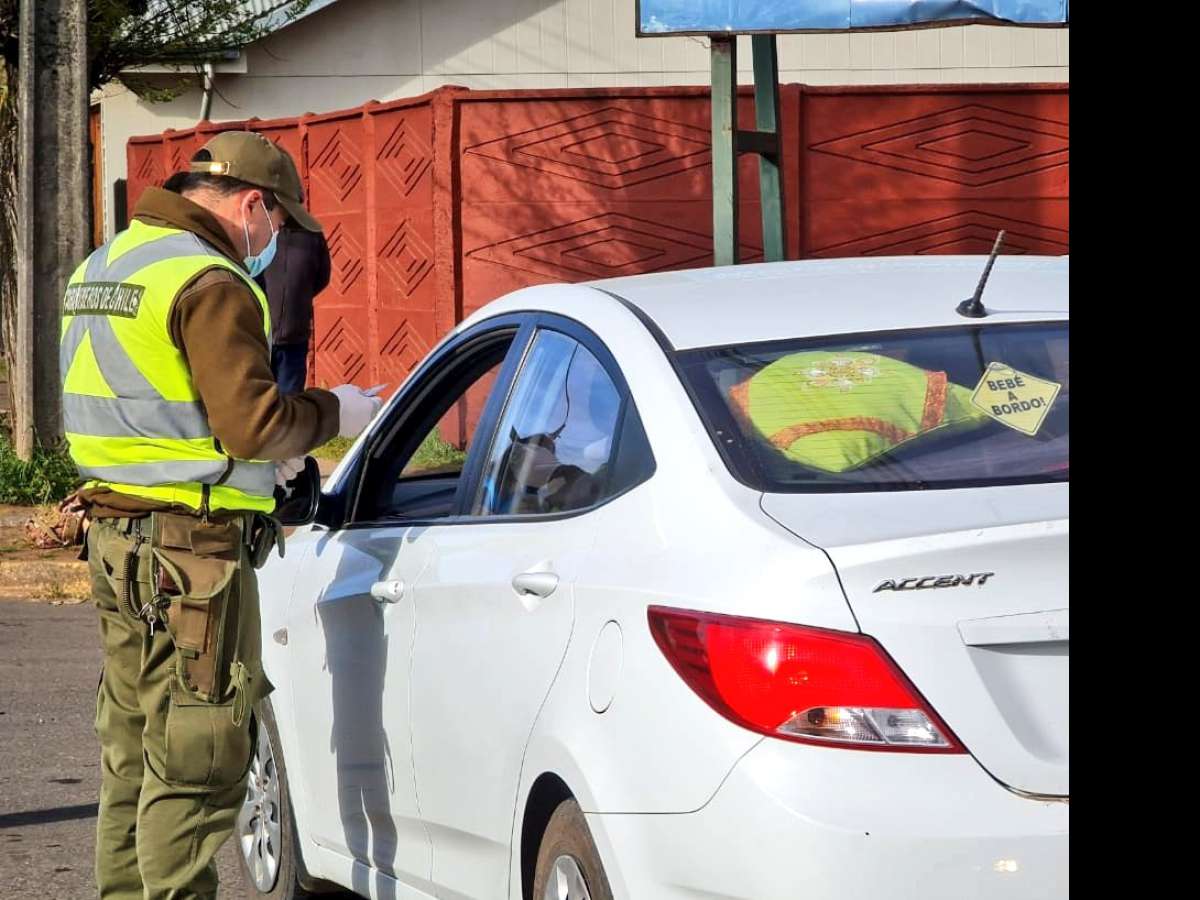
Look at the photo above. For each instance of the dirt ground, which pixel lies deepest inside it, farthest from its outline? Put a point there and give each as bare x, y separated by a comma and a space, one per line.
27, 573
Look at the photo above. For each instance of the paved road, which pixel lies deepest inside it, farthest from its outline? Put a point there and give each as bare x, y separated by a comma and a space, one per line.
49, 755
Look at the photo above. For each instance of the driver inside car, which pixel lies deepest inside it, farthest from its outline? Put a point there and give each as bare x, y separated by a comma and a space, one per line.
564, 469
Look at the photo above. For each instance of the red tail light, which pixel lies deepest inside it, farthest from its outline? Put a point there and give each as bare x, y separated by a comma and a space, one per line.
798, 683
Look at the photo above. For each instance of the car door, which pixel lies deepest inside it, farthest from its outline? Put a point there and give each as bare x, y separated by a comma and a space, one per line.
354, 640
494, 603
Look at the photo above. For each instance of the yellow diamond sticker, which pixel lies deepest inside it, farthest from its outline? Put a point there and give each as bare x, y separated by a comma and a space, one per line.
1016, 399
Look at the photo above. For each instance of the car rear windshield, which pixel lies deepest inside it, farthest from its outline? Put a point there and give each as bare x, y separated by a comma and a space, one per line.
898, 410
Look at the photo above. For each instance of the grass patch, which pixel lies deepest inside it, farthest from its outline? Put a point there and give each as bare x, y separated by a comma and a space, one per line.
336, 448
47, 478
435, 453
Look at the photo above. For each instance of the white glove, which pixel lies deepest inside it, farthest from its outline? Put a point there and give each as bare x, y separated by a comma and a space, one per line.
287, 469
357, 409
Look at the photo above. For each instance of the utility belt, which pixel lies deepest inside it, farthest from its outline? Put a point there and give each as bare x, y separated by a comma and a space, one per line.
260, 532
187, 567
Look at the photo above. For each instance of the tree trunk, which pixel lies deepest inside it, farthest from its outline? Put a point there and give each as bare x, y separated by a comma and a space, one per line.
52, 207
8, 222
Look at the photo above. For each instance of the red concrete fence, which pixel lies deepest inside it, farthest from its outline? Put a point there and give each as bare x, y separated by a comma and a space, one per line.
437, 204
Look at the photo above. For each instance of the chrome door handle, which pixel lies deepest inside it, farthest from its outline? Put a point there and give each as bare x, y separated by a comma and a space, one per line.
387, 591
539, 584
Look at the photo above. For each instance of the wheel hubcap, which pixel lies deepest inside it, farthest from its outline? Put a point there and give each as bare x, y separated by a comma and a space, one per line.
566, 881
258, 823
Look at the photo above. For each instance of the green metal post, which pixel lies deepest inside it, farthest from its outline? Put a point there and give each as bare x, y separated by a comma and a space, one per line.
724, 155
766, 113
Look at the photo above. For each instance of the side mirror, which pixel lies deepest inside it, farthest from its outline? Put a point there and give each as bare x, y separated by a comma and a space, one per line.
296, 504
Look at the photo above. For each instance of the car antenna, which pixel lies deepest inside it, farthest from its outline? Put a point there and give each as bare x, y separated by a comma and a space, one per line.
972, 307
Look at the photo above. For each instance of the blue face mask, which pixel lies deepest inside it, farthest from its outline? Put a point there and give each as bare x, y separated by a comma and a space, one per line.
255, 265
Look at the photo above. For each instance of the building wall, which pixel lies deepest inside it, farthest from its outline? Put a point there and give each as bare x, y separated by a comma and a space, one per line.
358, 50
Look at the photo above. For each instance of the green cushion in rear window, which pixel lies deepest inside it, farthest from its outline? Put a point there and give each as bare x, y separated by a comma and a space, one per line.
837, 411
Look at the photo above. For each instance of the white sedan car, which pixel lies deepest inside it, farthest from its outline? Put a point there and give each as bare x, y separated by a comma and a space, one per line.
744, 583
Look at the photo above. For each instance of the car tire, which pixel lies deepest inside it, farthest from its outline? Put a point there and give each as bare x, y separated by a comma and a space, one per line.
265, 831
568, 865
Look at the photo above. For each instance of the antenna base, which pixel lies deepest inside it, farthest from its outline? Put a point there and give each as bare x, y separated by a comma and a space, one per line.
971, 308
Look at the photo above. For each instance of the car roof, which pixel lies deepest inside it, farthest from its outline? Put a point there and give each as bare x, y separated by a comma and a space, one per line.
809, 298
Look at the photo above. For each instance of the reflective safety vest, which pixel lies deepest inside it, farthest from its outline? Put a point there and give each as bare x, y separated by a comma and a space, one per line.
133, 417
837, 411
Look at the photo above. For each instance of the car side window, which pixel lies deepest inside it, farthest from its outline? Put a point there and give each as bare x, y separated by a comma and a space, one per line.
415, 472
554, 447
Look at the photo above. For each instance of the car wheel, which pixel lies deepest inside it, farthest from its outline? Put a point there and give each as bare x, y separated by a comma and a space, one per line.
265, 833
568, 866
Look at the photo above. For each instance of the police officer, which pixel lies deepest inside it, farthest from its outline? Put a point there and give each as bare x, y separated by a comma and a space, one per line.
181, 433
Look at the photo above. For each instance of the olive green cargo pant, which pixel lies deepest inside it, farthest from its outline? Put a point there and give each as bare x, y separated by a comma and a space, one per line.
174, 758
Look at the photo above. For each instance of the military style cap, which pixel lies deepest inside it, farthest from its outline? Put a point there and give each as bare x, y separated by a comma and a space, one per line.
254, 159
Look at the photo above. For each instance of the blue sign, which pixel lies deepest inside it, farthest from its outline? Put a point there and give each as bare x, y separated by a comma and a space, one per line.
656, 17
